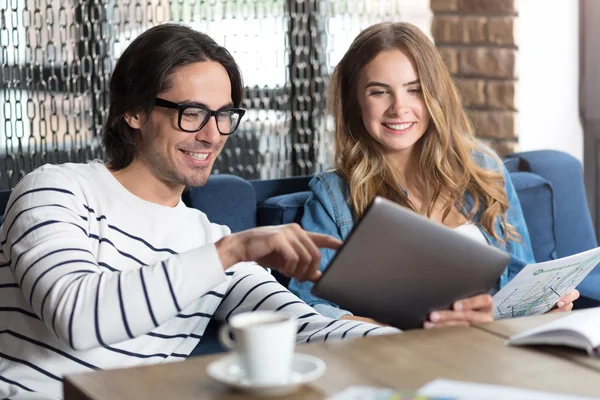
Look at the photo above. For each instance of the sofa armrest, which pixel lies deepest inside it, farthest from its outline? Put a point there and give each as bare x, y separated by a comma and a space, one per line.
573, 226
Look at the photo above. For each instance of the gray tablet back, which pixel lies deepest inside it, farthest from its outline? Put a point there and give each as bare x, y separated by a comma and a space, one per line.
397, 266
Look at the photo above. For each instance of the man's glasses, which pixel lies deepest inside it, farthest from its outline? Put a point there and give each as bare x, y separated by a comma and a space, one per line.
193, 117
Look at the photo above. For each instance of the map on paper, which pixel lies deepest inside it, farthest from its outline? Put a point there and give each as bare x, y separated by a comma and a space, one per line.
539, 286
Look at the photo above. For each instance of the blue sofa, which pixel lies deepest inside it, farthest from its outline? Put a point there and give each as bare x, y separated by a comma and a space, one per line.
548, 183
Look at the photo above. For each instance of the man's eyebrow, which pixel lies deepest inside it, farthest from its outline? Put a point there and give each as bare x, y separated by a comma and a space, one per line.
198, 103
415, 82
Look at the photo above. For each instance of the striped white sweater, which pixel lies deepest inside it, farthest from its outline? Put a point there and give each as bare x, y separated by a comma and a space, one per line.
93, 277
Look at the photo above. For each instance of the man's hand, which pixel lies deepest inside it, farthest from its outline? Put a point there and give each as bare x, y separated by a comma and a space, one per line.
473, 310
566, 302
288, 249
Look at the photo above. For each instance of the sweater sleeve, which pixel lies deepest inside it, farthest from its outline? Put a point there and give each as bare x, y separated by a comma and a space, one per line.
253, 288
46, 240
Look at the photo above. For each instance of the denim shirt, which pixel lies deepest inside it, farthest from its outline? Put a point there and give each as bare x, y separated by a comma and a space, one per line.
327, 211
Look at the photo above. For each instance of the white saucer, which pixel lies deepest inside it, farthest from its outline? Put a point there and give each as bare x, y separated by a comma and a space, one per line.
227, 370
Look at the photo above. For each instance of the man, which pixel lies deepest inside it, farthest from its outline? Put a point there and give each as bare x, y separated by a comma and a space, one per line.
103, 266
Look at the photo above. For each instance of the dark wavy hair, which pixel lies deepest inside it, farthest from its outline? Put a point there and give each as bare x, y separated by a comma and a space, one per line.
144, 70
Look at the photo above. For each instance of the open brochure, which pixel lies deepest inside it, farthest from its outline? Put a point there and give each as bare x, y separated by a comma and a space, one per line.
537, 287
580, 329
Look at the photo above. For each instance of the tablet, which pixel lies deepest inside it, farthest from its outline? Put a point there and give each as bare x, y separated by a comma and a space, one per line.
397, 266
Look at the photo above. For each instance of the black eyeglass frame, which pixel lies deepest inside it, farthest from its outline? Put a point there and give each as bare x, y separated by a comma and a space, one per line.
210, 113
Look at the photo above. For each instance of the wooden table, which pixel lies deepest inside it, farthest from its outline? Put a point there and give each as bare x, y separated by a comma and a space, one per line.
405, 361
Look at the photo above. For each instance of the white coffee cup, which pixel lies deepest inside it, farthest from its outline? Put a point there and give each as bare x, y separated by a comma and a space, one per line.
264, 342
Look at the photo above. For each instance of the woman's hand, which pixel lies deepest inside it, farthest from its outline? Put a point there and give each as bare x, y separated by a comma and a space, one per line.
566, 302
473, 310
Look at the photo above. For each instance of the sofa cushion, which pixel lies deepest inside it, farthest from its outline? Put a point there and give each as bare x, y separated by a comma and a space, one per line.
537, 201
282, 209
267, 188
227, 200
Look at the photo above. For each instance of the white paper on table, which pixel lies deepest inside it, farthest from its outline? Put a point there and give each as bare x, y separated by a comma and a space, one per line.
480, 391
537, 287
363, 393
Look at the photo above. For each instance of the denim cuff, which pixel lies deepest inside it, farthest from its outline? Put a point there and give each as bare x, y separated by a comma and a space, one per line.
329, 311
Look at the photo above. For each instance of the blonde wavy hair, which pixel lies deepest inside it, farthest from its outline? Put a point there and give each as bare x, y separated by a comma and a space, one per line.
446, 166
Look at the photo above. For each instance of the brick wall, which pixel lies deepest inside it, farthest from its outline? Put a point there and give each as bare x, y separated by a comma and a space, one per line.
477, 39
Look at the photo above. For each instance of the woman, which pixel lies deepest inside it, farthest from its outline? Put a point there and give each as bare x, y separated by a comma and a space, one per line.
402, 133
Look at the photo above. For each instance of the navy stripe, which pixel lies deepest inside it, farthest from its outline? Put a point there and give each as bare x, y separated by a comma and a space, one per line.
136, 355
5, 265
229, 273
161, 336
23, 212
41, 225
10, 382
54, 320
99, 337
104, 240
308, 315
266, 297
147, 298
55, 282
51, 189
53, 349
44, 256
139, 239
179, 355
333, 330
90, 209
289, 304
123, 315
56, 309
194, 336
73, 314
9, 285
105, 265
370, 330
19, 310
129, 235
171, 287
245, 297
30, 365
96, 318
344, 335
131, 354
213, 293
325, 327
198, 314
302, 328
233, 287
50, 269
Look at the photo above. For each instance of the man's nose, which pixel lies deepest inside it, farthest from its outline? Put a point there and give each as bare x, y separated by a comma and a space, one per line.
209, 132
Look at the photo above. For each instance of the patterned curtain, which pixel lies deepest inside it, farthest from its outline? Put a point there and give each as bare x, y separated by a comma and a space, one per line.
56, 57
